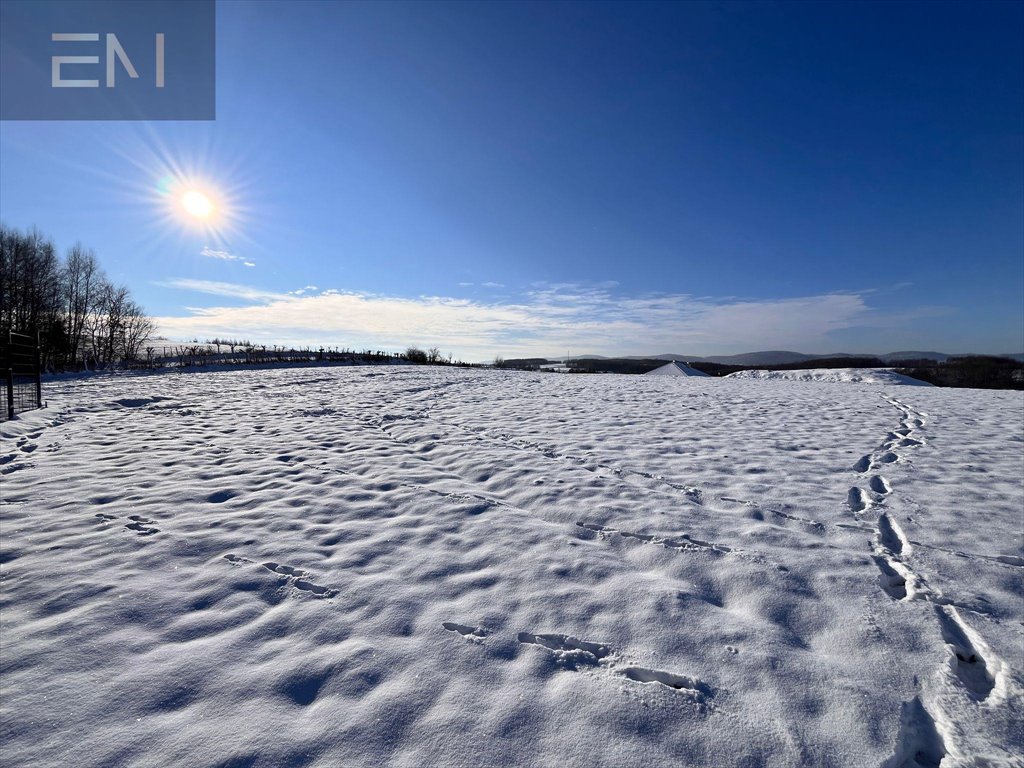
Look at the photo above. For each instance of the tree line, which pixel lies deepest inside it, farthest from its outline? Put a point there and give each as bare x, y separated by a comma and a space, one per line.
82, 318
974, 371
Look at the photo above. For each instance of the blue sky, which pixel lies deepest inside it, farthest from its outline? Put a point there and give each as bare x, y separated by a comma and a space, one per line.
524, 179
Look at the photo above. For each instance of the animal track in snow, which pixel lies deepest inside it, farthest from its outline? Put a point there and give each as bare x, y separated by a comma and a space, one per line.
568, 648
294, 577
863, 464
620, 474
574, 653
676, 682
316, 589
820, 527
284, 570
804, 520
683, 542
290, 575
464, 630
141, 525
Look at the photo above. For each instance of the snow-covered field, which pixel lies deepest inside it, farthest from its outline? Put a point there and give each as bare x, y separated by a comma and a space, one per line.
437, 567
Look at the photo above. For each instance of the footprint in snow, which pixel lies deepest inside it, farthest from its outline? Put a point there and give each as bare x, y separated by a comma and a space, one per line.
968, 662
894, 577
880, 485
891, 536
857, 499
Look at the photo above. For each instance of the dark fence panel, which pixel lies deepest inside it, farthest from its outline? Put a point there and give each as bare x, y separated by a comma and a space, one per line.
19, 365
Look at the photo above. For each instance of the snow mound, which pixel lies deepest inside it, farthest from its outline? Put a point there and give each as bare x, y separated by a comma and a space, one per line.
675, 368
844, 375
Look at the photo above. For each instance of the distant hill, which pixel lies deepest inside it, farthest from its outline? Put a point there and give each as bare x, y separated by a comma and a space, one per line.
773, 357
938, 357
785, 357
780, 358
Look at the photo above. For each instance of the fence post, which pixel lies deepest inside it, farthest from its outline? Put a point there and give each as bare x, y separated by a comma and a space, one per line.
39, 374
10, 393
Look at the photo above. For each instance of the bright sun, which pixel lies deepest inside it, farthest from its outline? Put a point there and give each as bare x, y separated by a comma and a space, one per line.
196, 204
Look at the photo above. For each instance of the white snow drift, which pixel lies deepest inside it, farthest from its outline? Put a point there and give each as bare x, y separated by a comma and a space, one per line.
835, 375
675, 368
439, 567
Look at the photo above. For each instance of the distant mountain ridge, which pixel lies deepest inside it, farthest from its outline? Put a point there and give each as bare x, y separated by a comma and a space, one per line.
785, 357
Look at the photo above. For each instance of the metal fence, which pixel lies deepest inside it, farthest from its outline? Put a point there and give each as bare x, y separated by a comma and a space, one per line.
19, 364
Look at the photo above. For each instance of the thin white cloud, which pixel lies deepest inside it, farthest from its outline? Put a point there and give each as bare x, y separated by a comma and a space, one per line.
220, 255
492, 285
547, 319
231, 290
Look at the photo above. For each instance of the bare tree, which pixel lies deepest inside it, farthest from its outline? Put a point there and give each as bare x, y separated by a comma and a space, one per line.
137, 328
82, 276
67, 302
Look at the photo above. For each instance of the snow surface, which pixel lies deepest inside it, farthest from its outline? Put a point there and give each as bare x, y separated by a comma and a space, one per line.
834, 375
675, 368
425, 566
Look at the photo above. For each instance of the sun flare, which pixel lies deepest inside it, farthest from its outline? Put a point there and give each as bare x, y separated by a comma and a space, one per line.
196, 204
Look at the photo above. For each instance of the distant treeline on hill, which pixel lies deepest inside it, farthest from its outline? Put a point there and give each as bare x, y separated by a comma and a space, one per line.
232, 352
976, 371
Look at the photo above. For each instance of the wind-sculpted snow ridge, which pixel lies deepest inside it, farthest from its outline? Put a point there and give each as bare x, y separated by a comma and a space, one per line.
416, 566
883, 376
